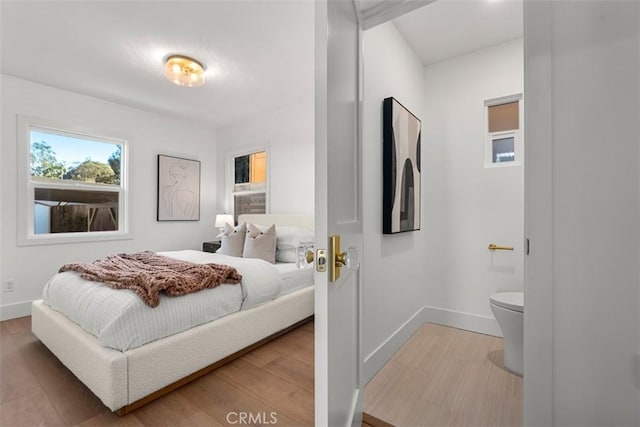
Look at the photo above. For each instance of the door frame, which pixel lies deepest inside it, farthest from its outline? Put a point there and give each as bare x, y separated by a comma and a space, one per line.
538, 214
538, 193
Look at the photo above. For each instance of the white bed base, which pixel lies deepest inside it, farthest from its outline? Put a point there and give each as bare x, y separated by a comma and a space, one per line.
125, 380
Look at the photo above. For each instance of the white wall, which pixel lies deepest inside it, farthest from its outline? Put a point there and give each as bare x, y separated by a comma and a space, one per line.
467, 205
583, 198
444, 272
288, 136
395, 271
148, 134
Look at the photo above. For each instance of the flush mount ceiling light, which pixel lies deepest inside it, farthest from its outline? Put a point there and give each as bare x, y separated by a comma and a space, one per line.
184, 71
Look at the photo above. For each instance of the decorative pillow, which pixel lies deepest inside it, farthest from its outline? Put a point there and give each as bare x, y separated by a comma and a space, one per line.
260, 244
289, 238
232, 241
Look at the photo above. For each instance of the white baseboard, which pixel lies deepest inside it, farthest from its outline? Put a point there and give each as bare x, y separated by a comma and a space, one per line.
381, 355
471, 322
12, 311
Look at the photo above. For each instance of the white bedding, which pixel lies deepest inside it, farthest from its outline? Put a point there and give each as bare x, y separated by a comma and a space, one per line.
120, 319
293, 278
260, 279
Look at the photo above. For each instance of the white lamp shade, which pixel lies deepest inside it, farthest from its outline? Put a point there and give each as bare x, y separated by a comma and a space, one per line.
223, 219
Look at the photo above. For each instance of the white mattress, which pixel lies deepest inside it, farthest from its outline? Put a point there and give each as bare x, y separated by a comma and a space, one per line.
293, 278
120, 319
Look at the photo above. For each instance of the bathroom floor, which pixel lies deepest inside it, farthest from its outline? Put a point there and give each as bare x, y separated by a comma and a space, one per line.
446, 377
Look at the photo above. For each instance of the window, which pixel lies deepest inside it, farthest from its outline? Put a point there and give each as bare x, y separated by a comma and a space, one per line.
74, 186
249, 183
503, 150
503, 141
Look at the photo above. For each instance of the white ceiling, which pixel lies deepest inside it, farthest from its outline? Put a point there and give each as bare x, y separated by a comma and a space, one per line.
259, 53
449, 28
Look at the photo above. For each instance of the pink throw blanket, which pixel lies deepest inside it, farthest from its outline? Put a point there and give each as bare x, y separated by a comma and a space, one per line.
147, 274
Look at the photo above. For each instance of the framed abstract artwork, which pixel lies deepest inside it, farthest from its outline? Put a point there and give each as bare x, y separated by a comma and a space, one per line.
178, 189
401, 168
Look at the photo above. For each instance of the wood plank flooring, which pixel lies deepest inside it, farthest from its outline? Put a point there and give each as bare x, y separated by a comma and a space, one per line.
369, 420
440, 377
446, 377
277, 378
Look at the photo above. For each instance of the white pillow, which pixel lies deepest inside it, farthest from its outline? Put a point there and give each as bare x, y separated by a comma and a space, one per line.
232, 241
289, 238
260, 244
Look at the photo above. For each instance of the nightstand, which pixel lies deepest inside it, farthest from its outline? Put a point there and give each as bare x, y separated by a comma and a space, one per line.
211, 246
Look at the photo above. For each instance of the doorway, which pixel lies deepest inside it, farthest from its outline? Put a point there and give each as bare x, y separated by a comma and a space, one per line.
445, 272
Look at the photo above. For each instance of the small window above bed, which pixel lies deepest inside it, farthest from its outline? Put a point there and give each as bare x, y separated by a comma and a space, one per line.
249, 190
72, 185
250, 171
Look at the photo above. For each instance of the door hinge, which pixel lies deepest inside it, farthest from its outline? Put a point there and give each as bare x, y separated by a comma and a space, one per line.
526, 246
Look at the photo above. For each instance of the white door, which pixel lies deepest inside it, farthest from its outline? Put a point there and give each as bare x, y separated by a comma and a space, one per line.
337, 322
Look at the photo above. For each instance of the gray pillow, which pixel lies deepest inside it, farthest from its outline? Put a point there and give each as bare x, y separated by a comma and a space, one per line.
232, 241
260, 244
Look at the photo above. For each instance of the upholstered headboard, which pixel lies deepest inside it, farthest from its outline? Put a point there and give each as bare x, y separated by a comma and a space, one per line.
305, 221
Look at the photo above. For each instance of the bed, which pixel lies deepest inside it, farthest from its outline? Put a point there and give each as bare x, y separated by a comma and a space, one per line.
125, 379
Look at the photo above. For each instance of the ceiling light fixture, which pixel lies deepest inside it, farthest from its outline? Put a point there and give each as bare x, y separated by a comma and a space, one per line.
184, 71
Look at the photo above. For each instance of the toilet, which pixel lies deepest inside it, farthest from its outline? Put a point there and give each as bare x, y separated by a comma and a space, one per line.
508, 307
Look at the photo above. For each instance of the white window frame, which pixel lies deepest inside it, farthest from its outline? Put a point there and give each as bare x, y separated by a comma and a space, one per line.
518, 134
26, 185
230, 178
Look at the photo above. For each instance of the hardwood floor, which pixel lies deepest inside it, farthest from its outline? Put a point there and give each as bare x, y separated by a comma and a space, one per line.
440, 377
446, 377
273, 384
369, 420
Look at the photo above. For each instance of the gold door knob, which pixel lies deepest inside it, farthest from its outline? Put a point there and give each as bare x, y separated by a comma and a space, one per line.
339, 259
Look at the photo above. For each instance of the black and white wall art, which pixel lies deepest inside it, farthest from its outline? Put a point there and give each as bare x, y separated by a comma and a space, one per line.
401, 168
178, 189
